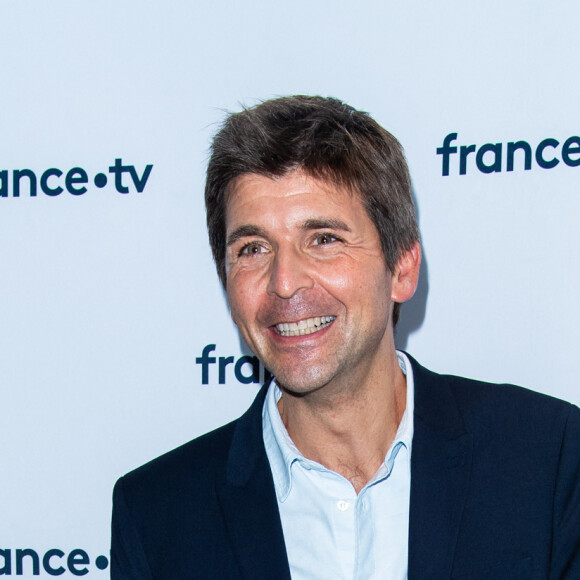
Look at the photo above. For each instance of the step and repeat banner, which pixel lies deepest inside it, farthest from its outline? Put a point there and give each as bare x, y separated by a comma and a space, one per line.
115, 338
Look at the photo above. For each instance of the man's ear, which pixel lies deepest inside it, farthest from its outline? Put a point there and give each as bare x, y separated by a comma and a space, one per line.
406, 274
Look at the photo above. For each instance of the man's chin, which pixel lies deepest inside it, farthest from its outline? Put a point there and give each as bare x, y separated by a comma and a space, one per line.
299, 382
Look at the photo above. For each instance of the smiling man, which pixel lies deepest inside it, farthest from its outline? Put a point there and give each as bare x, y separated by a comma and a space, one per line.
355, 462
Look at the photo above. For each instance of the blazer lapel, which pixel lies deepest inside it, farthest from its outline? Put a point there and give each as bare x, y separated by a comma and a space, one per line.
440, 469
249, 504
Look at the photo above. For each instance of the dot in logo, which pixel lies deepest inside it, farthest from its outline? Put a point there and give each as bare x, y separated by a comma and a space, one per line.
101, 562
100, 180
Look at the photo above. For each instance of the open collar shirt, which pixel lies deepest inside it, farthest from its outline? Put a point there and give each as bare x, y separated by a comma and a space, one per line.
329, 531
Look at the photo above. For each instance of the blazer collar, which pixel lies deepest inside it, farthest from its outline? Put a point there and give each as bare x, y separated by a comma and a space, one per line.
440, 470
247, 450
249, 503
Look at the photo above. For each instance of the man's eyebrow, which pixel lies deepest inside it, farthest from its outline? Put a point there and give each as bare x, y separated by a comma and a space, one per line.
250, 230
245, 232
325, 224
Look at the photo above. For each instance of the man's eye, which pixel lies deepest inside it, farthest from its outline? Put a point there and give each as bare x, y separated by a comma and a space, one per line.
251, 249
323, 239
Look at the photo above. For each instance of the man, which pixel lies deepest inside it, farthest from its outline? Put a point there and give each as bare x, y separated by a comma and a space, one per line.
356, 462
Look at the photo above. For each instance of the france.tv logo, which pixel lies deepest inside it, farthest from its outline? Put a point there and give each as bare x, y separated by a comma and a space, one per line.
246, 369
514, 155
54, 181
54, 562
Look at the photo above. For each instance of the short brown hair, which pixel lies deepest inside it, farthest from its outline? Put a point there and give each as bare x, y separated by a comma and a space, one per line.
328, 140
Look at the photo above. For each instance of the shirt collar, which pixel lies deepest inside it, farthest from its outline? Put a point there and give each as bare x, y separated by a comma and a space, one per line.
282, 453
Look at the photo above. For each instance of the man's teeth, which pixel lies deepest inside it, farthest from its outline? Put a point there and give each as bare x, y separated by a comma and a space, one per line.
307, 326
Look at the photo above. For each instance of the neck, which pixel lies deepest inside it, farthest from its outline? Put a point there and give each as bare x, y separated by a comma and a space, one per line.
349, 430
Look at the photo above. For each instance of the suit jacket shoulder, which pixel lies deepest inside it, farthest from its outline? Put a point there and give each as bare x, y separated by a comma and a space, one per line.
204, 510
490, 464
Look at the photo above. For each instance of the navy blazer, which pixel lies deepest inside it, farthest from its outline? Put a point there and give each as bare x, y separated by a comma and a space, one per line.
495, 494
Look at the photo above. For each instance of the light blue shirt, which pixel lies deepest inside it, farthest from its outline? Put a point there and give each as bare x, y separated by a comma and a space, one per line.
329, 531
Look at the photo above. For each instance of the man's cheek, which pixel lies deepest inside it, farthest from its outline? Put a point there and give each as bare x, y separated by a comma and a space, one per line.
241, 311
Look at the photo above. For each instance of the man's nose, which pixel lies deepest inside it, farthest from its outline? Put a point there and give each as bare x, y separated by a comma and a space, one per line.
289, 273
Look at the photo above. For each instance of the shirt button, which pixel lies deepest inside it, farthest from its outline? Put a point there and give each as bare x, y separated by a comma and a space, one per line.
342, 505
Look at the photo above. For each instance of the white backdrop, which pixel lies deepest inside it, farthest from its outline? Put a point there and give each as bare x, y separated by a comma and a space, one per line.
108, 298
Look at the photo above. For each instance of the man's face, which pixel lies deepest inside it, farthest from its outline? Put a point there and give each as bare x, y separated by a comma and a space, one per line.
307, 281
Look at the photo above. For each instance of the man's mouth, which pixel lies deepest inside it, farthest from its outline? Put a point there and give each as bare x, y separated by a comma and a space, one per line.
306, 326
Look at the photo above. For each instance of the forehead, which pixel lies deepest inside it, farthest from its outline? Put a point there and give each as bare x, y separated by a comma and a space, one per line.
295, 195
